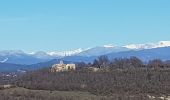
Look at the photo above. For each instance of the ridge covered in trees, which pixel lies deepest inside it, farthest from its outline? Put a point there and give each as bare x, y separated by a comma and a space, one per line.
128, 77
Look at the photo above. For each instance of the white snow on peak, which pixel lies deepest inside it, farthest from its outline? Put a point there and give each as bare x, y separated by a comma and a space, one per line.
65, 53
149, 45
109, 46
32, 53
5, 60
163, 44
139, 46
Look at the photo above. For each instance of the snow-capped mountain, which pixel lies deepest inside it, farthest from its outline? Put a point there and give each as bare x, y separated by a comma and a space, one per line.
11, 52
148, 45
109, 46
145, 55
3, 61
20, 57
102, 50
66, 53
40, 54
12, 60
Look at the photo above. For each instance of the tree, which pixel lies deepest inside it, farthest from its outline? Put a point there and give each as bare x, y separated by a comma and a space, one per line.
136, 62
156, 63
96, 63
81, 64
103, 61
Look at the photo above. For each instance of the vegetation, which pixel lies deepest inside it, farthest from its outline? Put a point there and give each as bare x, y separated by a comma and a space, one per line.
26, 94
120, 79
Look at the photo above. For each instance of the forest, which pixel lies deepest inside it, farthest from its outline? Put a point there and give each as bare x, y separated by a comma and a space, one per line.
117, 79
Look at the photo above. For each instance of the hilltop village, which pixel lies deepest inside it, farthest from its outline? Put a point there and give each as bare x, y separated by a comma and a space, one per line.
63, 67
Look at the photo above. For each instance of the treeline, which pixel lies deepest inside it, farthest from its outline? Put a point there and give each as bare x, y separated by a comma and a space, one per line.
128, 76
125, 63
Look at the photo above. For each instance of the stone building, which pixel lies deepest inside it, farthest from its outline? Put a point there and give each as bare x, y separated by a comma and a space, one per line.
6, 86
62, 67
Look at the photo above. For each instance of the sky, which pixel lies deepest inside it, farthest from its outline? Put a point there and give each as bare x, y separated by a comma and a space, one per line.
57, 25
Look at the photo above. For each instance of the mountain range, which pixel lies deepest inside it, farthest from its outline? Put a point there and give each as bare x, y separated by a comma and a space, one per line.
20, 60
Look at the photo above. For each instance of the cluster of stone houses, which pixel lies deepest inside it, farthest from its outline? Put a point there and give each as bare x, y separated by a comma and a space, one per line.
63, 67
6, 86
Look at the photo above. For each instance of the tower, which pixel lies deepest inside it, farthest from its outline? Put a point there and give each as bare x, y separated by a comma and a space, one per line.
61, 62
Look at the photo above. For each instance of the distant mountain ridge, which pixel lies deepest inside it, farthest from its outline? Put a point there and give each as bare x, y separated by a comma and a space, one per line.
8, 67
87, 55
145, 55
148, 45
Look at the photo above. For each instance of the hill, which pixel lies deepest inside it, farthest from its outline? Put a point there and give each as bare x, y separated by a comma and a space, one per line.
144, 55
27, 94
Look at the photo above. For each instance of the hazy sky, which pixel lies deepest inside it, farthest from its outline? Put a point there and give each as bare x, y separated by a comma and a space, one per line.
48, 25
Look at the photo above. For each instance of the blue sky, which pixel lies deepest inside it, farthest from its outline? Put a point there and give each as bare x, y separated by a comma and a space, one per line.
56, 25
